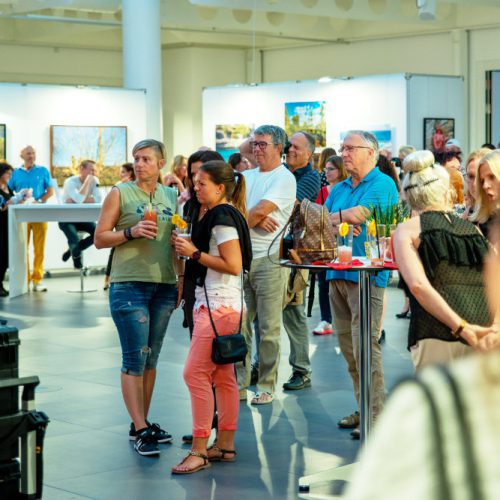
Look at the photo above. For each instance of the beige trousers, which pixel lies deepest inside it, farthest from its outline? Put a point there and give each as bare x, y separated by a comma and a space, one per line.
434, 351
344, 301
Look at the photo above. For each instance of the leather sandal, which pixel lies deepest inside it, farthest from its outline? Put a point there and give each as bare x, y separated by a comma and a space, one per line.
222, 456
206, 463
349, 422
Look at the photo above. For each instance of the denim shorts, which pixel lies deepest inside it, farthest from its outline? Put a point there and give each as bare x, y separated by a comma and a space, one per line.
141, 312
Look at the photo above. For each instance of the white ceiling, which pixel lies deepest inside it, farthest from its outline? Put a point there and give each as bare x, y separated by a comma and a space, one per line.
237, 23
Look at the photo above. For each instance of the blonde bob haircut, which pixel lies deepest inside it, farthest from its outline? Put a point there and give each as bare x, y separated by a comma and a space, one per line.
485, 208
425, 184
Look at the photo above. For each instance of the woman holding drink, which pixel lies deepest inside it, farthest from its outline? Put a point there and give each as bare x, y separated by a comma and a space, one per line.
136, 220
220, 250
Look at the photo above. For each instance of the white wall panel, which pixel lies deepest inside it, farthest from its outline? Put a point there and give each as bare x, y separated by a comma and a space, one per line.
30, 110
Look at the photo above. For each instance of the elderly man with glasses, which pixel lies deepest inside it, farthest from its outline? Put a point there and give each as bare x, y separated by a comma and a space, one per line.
351, 201
271, 190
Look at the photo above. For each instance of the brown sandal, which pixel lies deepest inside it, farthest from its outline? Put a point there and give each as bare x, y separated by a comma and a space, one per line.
222, 456
191, 453
349, 422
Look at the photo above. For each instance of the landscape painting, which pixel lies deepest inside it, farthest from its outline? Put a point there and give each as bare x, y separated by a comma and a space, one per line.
107, 146
308, 117
229, 137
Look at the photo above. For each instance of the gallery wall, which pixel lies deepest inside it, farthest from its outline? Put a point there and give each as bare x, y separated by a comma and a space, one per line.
395, 102
186, 70
28, 112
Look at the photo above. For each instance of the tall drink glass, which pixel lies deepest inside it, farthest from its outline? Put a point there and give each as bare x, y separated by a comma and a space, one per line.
344, 245
184, 232
151, 213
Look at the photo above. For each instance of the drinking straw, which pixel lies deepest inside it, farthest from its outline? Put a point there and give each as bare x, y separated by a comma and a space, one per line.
376, 231
151, 201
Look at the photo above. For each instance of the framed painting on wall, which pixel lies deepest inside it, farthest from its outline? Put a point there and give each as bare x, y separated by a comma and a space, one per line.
229, 137
436, 132
308, 117
69, 145
3, 141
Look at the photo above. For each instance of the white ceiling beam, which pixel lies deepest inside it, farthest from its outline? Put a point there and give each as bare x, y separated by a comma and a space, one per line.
367, 10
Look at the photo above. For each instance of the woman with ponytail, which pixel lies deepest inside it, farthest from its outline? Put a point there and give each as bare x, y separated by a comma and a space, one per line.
220, 251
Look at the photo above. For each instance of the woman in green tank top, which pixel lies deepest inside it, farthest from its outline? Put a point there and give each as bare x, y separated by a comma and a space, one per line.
136, 220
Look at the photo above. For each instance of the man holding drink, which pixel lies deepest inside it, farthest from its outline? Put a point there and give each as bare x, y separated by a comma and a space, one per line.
351, 201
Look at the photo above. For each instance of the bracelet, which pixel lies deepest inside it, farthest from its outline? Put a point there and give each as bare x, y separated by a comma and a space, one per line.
128, 233
460, 329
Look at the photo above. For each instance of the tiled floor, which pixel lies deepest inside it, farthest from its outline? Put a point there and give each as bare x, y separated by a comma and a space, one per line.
70, 342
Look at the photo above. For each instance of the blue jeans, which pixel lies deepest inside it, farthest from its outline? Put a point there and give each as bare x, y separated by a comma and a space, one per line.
141, 312
77, 245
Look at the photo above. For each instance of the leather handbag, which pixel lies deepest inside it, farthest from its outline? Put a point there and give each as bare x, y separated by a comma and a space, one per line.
312, 232
231, 348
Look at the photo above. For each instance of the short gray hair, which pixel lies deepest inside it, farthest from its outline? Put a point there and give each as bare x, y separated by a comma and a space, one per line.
278, 135
425, 183
157, 146
369, 139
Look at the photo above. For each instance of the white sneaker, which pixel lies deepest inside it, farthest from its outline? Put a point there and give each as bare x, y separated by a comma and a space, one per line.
39, 287
323, 328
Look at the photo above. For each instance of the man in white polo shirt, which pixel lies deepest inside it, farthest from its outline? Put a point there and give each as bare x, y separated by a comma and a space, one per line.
271, 191
82, 188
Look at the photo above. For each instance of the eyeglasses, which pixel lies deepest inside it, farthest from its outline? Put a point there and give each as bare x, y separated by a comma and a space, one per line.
330, 169
262, 145
349, 149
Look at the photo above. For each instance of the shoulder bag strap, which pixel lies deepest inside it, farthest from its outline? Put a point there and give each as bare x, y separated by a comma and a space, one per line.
210, 312
473, 481
443, 486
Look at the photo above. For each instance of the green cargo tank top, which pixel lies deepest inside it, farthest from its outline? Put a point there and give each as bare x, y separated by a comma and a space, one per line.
142, 259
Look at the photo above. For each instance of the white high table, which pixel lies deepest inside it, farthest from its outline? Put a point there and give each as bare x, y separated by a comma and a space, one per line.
19, 215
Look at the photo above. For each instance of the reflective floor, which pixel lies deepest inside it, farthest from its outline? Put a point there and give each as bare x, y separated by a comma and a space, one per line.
70, 342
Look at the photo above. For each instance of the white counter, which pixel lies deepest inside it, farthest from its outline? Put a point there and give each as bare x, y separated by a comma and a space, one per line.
19, 215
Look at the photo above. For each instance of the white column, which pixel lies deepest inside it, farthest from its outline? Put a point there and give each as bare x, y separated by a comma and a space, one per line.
141, 27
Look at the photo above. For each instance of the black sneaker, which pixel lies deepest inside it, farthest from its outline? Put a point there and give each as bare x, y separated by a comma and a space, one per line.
146, 443
160, 435
77, 262
297, 382
66, 255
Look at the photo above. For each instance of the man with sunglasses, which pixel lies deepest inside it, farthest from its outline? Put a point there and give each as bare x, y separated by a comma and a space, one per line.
351, 201
271, 190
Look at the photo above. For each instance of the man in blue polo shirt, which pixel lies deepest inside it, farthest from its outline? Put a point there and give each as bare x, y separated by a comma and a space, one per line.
38, 179
351, 201
298, 161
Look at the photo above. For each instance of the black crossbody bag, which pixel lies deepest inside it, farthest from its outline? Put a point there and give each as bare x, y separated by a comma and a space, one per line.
231, 348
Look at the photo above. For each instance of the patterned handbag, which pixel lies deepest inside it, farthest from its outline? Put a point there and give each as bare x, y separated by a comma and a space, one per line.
312, 232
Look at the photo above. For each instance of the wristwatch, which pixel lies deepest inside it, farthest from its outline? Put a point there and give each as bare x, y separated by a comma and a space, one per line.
196, 255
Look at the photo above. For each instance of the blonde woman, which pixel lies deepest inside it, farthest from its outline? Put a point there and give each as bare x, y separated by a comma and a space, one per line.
178, 174
440, 258
471, 166
487, 190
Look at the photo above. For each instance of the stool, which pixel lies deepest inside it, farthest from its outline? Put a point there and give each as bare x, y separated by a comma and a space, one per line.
84, 271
